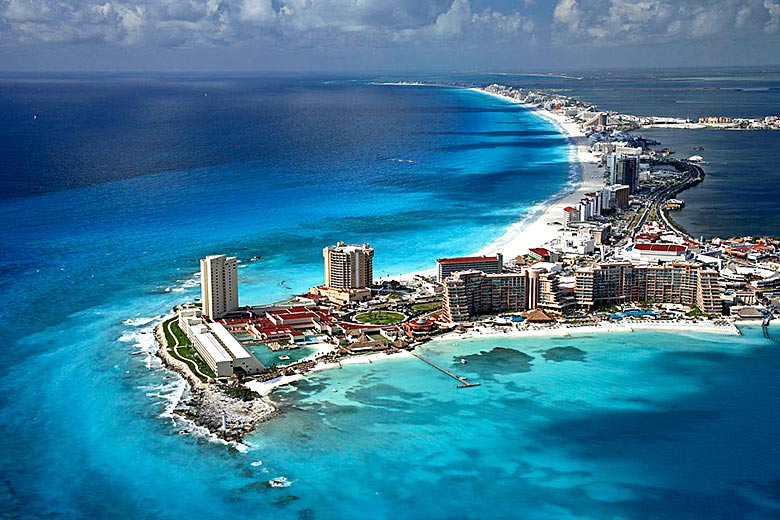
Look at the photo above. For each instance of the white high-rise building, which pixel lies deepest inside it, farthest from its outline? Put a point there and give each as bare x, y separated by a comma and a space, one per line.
219, 285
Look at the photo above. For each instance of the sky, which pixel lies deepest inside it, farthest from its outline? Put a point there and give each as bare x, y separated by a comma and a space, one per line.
384, 35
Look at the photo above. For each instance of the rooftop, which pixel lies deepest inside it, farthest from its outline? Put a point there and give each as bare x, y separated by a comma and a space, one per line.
464, 259
668, 248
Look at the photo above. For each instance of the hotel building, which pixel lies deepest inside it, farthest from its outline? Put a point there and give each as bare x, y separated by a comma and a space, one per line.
622, 282
624, 169
219, 285
217, 347
349, 273
348, 266
473, 292
486, 264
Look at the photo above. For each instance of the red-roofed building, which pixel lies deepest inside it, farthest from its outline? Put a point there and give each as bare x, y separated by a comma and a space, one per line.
655, 253
486, 264
539, 253
570, 215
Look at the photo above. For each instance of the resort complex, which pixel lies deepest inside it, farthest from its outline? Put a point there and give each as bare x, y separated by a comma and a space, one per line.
607, 257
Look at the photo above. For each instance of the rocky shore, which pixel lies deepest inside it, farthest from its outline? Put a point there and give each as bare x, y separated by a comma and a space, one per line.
207, 405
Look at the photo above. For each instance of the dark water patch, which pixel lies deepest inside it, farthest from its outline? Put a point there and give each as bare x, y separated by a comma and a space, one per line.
530, 391
491, 145
387, 396
285, 500
567, 353
464, 109
499, 133
663, 503
498, 361
594, 435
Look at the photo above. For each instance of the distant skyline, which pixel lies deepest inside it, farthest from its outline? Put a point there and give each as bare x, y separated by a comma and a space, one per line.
375, 35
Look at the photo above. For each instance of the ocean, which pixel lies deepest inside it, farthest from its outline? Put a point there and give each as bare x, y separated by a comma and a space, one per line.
114, 186
740, 194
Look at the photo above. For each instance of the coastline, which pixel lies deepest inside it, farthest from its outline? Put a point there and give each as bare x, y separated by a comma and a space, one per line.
534, 229
206, 406
725, 327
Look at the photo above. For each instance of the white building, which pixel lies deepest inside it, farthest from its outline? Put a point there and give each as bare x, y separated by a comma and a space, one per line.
219, 285
218, 348
656, 253
579, 242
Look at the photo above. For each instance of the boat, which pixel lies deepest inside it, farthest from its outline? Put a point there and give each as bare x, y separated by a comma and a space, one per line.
463, 361
279, 482
695, 158
255, 258
256, 463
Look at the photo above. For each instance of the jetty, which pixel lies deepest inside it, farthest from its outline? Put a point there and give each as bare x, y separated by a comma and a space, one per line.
460, 379
765, 330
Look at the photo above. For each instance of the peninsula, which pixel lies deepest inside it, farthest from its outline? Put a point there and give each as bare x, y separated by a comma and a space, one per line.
606, 256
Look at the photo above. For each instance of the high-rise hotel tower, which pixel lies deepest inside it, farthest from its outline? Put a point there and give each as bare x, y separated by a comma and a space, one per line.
219, 285
348, 266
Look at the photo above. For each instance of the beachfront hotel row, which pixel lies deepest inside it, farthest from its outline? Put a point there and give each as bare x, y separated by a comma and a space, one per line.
472, 292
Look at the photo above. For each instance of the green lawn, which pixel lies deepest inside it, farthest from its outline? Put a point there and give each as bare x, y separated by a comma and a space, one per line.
185, 351
379, 317
427, 307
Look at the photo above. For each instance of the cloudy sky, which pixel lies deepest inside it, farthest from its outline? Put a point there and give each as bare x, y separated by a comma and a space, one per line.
348, 35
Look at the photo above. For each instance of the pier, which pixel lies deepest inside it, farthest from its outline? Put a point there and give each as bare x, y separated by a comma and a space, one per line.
459, 379
765, 330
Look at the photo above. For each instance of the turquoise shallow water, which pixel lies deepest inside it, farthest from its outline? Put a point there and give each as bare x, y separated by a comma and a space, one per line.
642, 425
109, 202
120, 184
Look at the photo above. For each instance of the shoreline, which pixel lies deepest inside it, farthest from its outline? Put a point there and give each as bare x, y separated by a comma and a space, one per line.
727, 327
205, 403
206, 406
533, 230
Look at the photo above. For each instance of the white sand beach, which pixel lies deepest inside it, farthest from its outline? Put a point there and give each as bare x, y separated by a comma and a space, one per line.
535, 229
721, 327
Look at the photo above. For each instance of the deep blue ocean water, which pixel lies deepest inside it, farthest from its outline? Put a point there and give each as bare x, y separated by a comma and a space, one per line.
113, 187
740, 194
743, 184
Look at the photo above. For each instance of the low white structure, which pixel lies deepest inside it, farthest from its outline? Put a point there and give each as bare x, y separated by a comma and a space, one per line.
656, 253
577, 242
218, 348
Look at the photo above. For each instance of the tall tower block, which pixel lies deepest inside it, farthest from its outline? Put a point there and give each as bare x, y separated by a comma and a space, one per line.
348, 266
219, 285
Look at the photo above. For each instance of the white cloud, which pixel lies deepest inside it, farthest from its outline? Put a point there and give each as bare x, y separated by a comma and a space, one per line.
567, 13
601, 22
193, 22
378, 22
773, 10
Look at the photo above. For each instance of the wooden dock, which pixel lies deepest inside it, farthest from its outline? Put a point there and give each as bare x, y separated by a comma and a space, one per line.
459, 379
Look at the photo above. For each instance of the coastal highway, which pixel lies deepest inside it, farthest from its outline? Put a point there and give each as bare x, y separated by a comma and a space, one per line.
693, 176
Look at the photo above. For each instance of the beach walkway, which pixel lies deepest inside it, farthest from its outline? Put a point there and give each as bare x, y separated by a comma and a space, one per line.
459, 379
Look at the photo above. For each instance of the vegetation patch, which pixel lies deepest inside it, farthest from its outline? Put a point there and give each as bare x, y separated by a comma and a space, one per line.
380, 317
427, 307
240, 392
